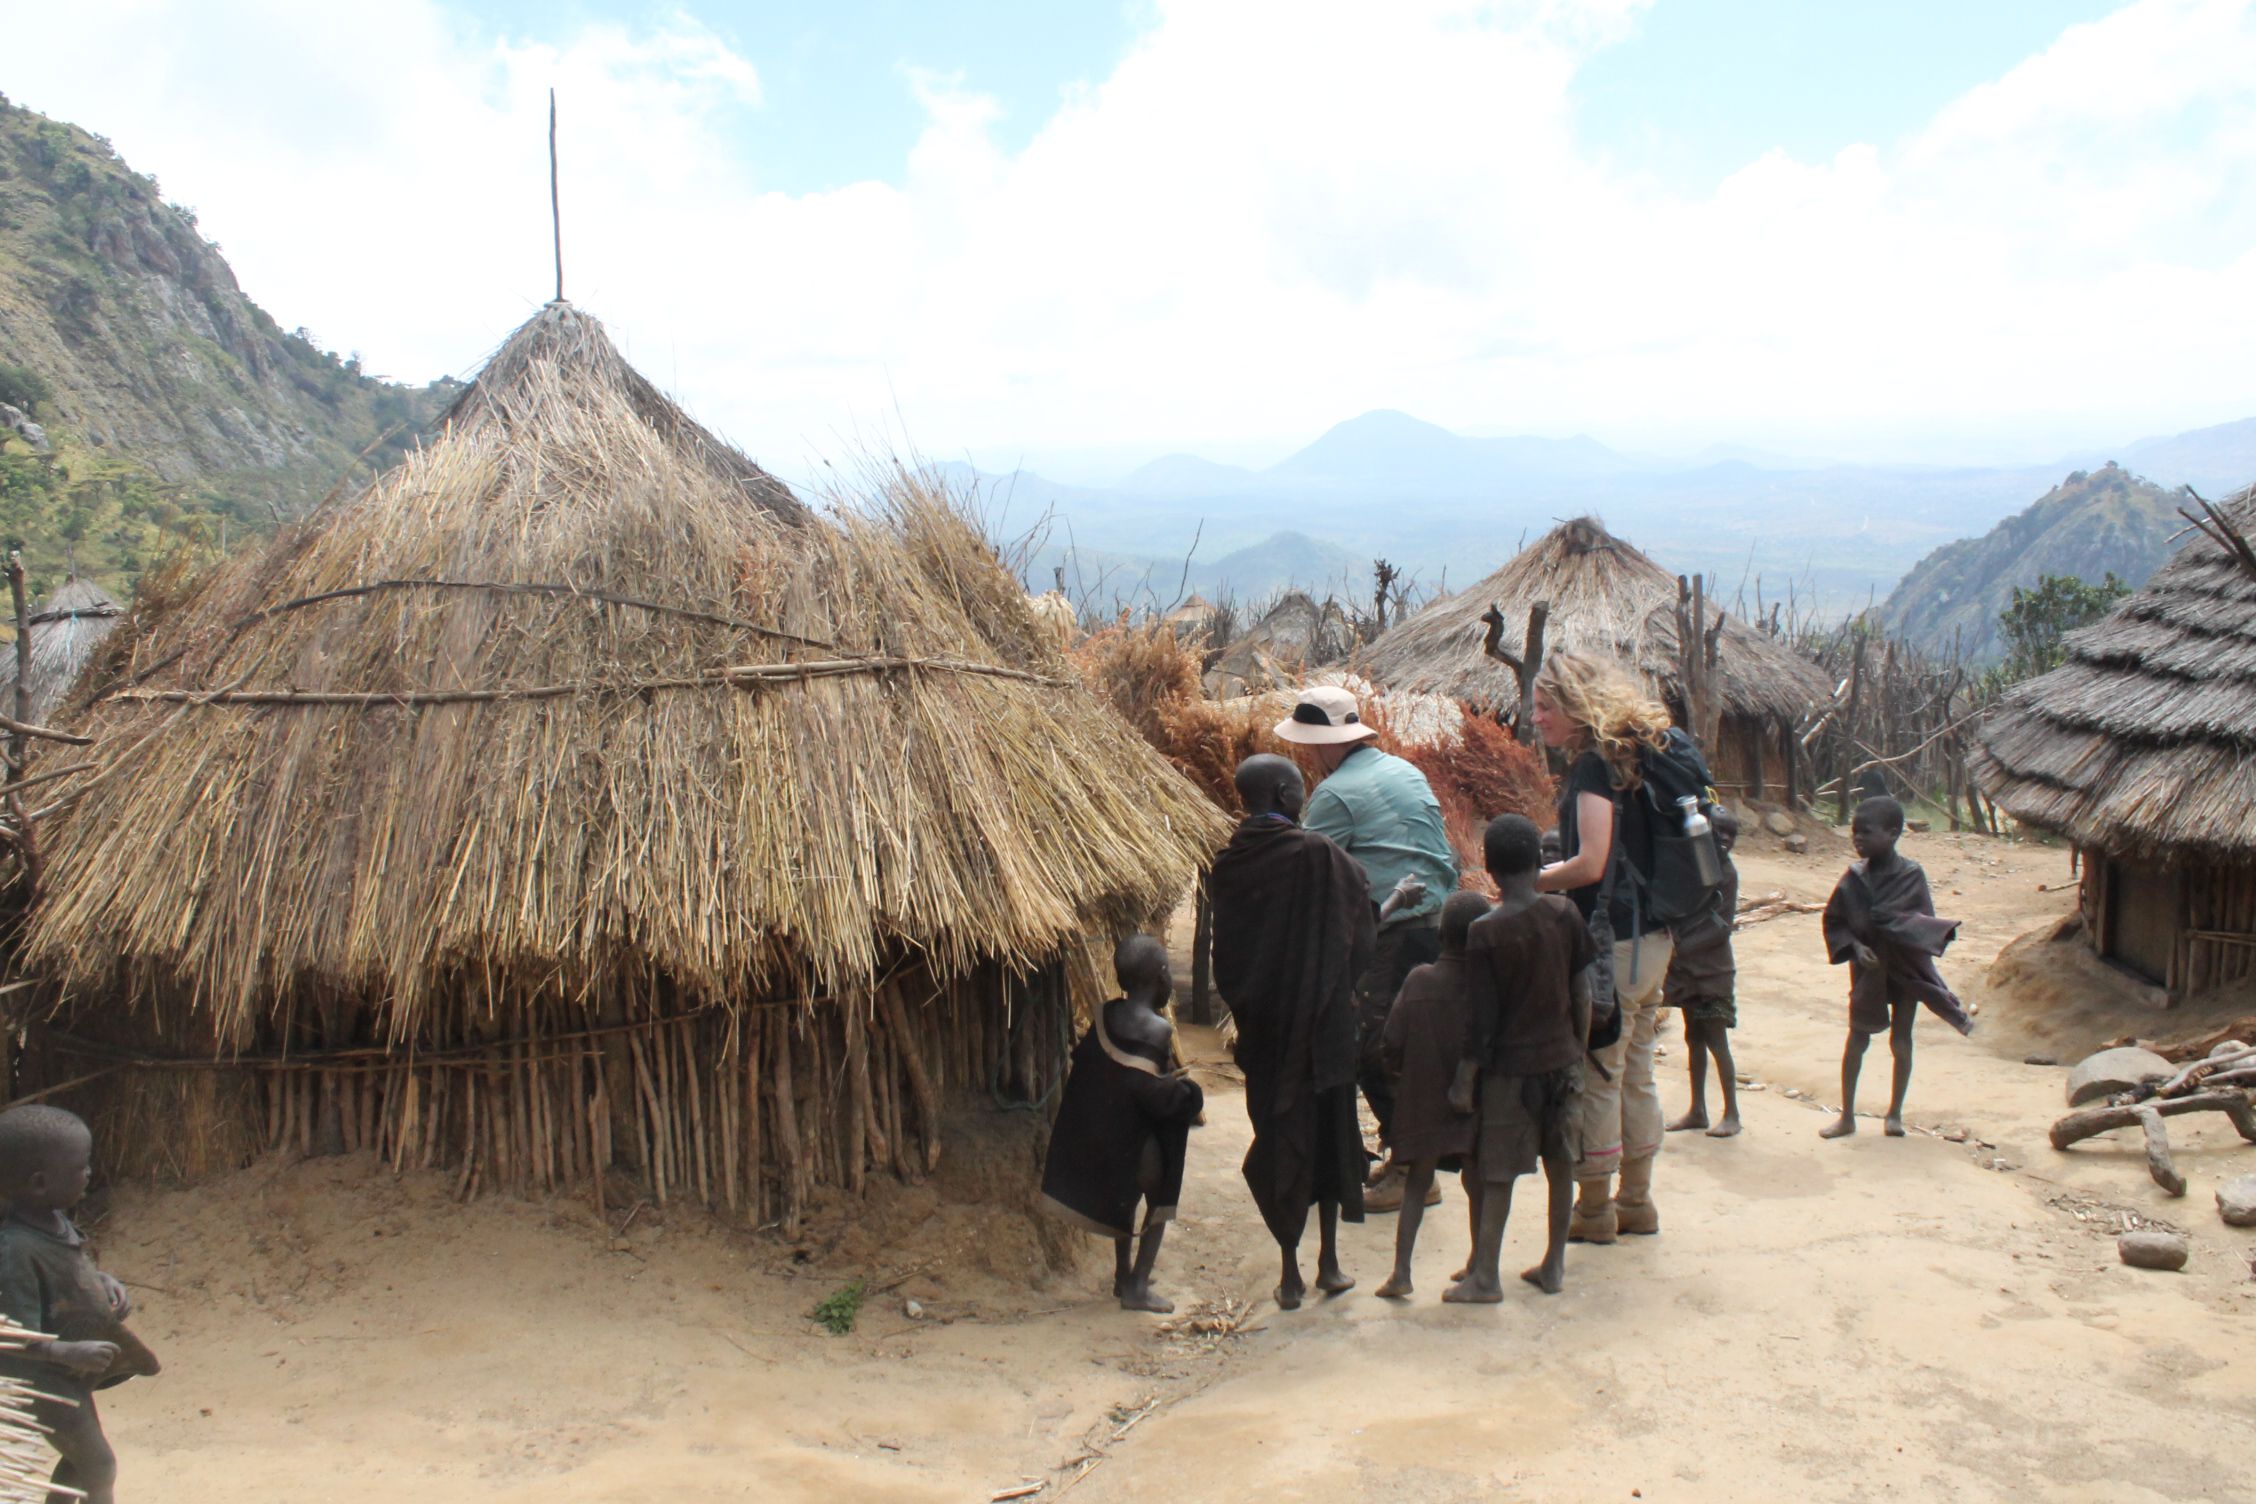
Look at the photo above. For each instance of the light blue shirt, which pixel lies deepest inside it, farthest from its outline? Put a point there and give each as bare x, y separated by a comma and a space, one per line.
1380, 810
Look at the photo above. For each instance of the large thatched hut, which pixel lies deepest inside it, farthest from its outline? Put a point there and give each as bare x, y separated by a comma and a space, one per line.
66, 628
2141, 749
1609, 599
575, 798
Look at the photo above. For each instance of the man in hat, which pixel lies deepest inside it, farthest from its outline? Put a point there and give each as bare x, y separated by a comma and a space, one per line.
1380, 810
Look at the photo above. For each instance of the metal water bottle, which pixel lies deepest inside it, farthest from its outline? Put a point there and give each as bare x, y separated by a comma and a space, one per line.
1701, 834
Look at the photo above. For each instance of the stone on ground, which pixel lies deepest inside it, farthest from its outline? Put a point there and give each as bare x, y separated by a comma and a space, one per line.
1797, 843
2152, 1249
1779, 823
2236, 1201
2111, 1071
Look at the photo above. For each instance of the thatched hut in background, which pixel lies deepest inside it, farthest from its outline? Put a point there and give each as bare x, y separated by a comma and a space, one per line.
1293, 636
1607, 599
2141, 749
66, 628
574, 797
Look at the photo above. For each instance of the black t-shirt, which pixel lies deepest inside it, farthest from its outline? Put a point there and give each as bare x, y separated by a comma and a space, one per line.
1633, 826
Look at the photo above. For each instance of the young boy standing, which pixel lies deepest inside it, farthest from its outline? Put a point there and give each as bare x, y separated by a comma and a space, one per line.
1124, 1123
1881, 921
1527, 987
1427, 1030
1702, 978
48, 1284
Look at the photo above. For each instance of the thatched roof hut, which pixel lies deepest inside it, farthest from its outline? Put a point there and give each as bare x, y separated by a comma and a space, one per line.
66, 628
595, 801
1292, 636
2141, 749
1610, 599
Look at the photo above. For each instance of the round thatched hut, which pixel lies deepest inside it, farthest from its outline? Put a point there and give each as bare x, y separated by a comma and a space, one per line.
2141, 749
575, 797
66, 628
1606, 598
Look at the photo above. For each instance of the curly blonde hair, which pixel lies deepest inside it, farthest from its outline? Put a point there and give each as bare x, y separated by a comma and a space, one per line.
1611, 715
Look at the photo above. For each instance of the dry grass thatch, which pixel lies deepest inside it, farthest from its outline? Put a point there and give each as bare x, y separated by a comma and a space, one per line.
1607, 599
66, 629
2143, 743
579, 693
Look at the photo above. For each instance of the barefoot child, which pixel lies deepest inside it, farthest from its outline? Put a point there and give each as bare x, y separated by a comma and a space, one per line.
1426, 1033
48, 1284
1528, 988
1702, 975
1881, 920
1124, 1123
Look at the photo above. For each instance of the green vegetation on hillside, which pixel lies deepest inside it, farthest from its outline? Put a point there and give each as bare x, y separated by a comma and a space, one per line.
2038, 620
177, 413
2105, 522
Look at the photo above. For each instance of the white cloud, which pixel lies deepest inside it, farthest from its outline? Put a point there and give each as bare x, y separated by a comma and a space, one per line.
1269, 215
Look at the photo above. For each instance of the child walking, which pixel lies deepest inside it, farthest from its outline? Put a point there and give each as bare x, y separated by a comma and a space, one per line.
1427, 1031
1881, 921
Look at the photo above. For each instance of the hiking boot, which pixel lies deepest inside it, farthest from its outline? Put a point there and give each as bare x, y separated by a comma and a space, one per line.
1386, 1190
1594, 1220
1634, 1211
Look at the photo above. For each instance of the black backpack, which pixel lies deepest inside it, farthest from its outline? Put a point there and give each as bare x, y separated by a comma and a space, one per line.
1683, 881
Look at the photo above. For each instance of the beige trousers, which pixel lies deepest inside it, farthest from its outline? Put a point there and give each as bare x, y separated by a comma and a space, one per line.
1621, 1118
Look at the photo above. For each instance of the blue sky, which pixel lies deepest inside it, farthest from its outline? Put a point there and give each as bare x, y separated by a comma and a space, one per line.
1694, 91
1086, 235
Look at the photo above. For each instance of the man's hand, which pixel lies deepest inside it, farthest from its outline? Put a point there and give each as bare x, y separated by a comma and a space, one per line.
1865, 956
86, 1359
121, 1304
1407, 894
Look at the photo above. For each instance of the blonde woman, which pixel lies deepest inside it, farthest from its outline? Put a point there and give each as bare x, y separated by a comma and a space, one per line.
1590, 710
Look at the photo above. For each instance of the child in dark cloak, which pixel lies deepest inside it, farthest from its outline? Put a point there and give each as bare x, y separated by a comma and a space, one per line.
1702, 979
1527, 987
1427, 1031
48, 1284
1881, 921
1124, 1122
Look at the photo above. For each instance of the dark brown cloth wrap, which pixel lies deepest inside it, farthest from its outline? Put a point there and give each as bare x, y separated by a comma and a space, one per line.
1120, 1097
1893, 912
1293, 929
1427, 1033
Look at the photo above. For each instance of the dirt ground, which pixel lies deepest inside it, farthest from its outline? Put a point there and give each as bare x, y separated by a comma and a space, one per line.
1868, 1319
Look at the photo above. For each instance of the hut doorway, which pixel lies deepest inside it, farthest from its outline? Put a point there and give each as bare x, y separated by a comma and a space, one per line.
2142, 909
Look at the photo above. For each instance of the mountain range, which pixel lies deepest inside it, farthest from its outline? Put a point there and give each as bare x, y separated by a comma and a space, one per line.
1445, 505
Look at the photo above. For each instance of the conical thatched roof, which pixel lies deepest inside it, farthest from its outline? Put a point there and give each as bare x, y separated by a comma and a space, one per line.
576, 692
65, 629
1607, 599
2144, 742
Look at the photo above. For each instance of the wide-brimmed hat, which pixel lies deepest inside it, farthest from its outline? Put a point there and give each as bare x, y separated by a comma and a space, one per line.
1324, 717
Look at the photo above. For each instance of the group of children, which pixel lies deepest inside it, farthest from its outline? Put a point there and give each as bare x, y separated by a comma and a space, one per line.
1488, 1045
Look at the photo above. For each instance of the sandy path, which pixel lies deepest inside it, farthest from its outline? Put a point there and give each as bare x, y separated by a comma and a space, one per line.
1869, 1319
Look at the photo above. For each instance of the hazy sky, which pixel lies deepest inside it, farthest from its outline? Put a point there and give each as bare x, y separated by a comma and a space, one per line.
1083, 236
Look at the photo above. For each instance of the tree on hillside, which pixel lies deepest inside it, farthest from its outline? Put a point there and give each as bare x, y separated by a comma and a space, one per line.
2036, 621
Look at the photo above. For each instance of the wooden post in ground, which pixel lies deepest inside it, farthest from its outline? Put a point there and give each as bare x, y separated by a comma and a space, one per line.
1525, 664
1202, 955
1845, 730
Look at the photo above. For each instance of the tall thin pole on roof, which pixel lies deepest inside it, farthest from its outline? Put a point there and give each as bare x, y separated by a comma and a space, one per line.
555, 208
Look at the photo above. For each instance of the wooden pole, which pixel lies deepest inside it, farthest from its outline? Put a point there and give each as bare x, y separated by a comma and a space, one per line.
1202, 955
555, 206
1525, 664
1845, 731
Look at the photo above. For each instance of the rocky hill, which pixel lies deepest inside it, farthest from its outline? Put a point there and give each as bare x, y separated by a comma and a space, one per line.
2092, 522
173, 408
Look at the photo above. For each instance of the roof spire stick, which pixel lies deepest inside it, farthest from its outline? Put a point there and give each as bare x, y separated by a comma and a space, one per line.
555, 211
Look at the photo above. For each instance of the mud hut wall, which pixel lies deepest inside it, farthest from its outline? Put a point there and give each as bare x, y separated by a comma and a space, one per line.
2187, 927
748, 1109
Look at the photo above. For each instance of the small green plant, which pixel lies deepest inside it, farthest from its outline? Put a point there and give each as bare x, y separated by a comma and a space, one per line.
839, 1308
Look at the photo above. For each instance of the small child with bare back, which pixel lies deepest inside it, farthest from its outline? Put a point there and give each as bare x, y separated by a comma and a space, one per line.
1881, 921
49, 1285
1527, 987
1427, 1031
